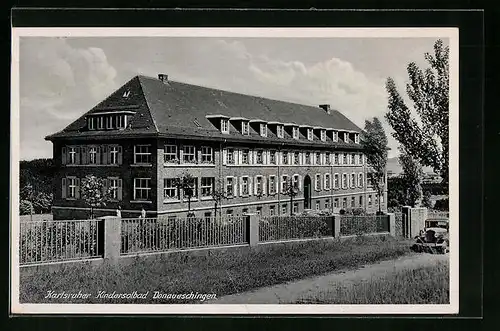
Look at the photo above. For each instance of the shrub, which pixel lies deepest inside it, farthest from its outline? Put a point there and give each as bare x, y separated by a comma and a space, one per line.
25, 207
442, 204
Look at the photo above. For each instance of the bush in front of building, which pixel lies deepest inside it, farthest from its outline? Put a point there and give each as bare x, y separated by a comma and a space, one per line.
442, 204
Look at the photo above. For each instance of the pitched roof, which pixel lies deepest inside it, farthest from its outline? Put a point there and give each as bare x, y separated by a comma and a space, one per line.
176, 108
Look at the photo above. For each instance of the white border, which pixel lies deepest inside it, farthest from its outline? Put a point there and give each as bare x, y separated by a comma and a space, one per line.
179, 309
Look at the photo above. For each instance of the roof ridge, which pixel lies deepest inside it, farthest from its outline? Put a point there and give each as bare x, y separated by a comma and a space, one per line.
147, 103
239, 93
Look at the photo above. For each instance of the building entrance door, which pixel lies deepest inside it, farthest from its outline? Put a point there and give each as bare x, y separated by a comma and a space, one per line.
307, 192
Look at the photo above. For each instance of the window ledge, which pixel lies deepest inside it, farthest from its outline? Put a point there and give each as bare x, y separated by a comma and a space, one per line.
201, 165
141, 201
166, 201
91, 165
205, 198
71, 199
141, 165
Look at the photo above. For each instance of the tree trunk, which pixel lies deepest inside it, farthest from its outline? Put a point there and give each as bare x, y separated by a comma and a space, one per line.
215, 210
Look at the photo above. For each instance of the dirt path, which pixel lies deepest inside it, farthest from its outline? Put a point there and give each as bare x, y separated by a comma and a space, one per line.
294, 291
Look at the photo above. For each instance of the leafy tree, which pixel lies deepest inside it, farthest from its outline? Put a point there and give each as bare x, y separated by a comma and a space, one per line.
292, 191
426, 200
374, 142
93, 192
412, 178
26, 207
424, 137
186, 184
396, 195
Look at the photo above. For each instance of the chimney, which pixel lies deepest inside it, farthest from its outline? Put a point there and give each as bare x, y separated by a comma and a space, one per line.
163, 78
325, 108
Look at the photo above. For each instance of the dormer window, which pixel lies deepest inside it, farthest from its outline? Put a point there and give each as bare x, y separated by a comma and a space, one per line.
295, 131
224, 125
245, 128
263, 129
356, 138
108, 121
335, 136
309, 134
346, 137
280, 131
91, 122
100, 122
323, 135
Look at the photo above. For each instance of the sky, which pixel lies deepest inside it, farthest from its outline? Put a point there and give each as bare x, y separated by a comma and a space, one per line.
62, 78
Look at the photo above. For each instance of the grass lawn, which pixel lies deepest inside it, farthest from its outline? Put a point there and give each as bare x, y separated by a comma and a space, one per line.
221, 272
425, 285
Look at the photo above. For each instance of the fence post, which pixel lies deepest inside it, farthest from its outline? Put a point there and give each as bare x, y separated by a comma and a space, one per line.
392, 224
336, 226
252, 228
112, 237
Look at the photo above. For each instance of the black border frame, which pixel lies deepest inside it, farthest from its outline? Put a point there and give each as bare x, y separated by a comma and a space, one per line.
471, 52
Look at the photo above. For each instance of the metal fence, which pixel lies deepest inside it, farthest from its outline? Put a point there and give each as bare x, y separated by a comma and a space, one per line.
160, 234
51, 241
276, 228
358, 225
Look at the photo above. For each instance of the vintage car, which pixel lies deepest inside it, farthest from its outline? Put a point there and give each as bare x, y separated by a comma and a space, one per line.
433, 239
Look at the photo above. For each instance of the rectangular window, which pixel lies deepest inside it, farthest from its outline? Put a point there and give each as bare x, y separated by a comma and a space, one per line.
344, 203
360, 180
317, 182
327, 181
93, 155
272, 157
285, 158
258, 185
295, 208
327, 158
207, 186
296, 158
327, 204
318, 158
356, 138
189, 154
100, 122
91, 123
336, 203
113, 188
113, 154
346, 137
323, 135
295, 181
207, 154
336, 161
344, 158
361, 201
224, 125
272, 185
318, 205
352, 159
353, 180
353, 202
335, 136
370, 200
295, 132
142, 187
263, 129
245, 156
230, 156
344, 181
142, 154
72, 155
284, 182
120, 121
170, 155
336, 181
308, 158
244, 185
260, 157
280, 131
170, 191
284, 209
71, 187
310, 134
230, 186
244, 128
272, 210
109, 122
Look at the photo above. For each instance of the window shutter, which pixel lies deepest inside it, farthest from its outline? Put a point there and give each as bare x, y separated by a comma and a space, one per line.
120, 155
224, 156
235, 187
250, 186
98, 155
84, 155
264, 185
241, 186
120, 189
105, 151
77, 189
78, 157
64, 188
255, 186
64, 152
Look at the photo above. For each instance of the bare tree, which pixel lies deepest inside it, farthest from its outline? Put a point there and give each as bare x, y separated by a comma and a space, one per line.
186, 184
